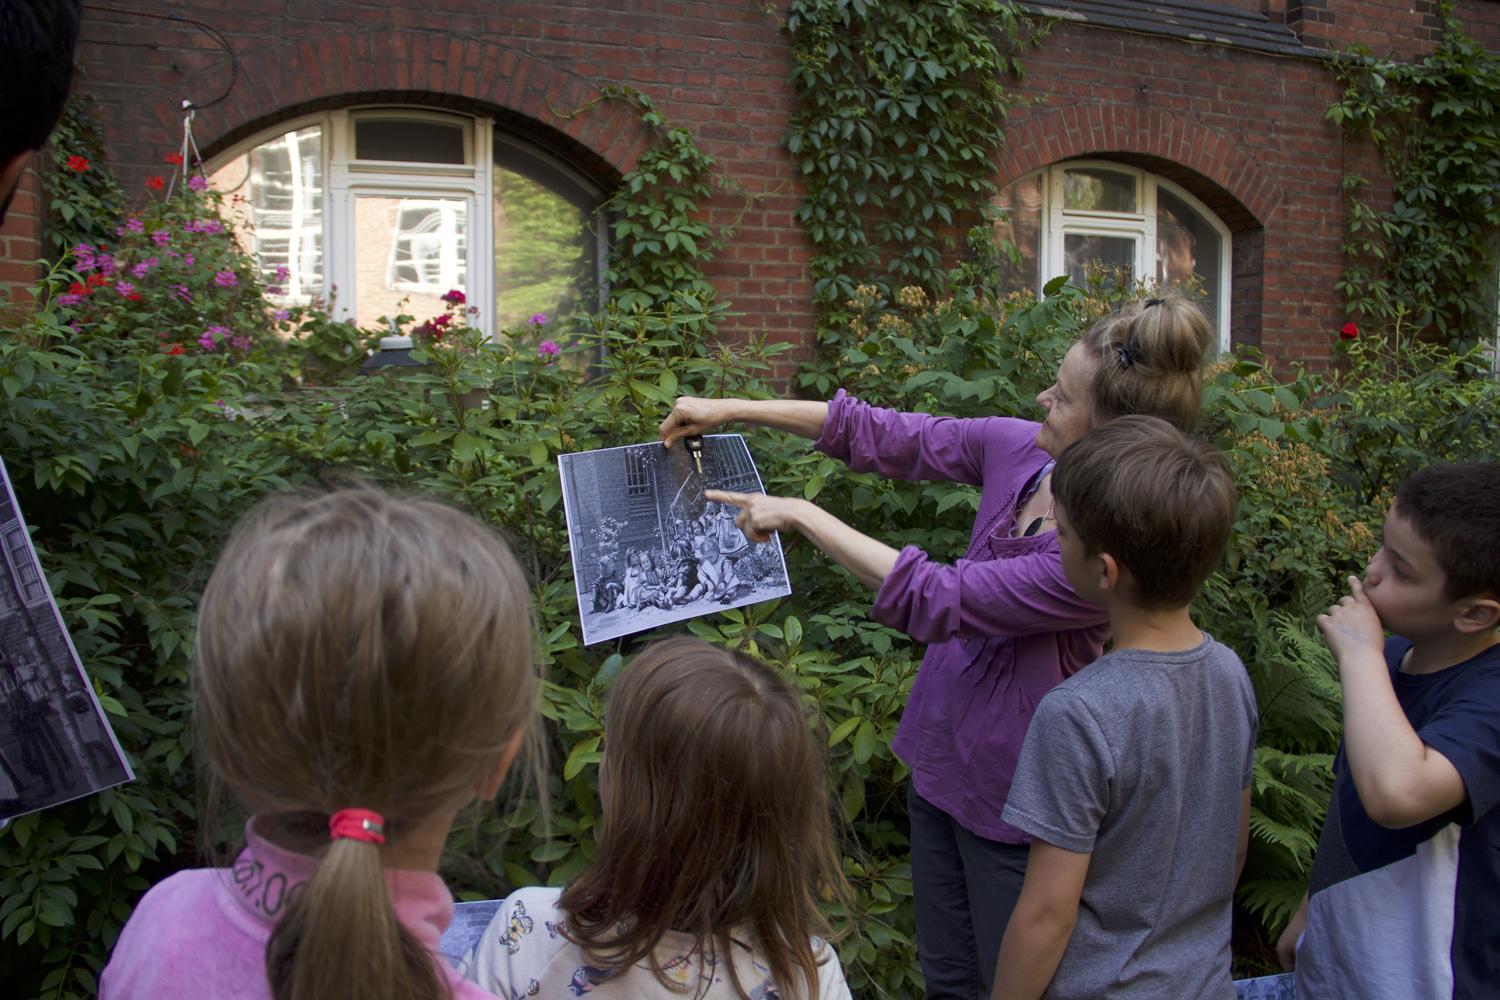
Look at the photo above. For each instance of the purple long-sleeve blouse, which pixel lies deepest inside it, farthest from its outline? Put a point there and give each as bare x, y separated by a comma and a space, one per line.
1003, 624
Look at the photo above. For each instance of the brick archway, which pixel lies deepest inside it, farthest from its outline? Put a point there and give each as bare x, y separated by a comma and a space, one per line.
535, 97
1113, 130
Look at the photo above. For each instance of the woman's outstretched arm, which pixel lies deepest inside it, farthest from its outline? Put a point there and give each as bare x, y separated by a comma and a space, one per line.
869, 560
693, 415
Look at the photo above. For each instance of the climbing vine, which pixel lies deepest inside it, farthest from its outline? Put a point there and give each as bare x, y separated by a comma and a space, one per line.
1430, 257
899, 116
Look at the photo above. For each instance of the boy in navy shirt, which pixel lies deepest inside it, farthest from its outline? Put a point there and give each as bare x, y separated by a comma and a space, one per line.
1404, 894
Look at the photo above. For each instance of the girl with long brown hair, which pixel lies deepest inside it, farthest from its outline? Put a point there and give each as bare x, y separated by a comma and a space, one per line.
363, 671
715, 846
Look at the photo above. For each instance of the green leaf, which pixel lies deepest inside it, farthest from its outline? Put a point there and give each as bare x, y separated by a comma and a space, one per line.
843, 729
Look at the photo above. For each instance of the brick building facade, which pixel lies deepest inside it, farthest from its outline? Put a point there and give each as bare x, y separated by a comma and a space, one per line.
1221, 105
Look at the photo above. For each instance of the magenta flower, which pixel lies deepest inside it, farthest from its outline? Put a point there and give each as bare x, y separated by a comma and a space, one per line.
124, 288
539, 319
275, 290
225, 279
549, 348
241, 344
197, 182
189, 260
183, 292
212, 336
69, 299
454, 297
83, 257
161, 237
282, 273
105, 263
281, 315
135, 225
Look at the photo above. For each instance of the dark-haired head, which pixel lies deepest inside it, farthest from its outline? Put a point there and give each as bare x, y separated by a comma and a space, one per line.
1157, 501
716, 817
1456, 510
36, 69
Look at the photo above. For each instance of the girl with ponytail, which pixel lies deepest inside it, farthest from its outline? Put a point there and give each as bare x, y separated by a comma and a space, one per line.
362, 672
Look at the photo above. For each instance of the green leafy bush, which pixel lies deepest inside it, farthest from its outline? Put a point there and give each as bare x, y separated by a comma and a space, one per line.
143, 422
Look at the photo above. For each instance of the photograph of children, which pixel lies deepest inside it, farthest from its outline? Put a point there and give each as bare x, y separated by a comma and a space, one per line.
55, 743
648, 549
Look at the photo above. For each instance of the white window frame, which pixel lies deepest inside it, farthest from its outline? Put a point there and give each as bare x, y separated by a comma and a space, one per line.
1140, 225
346, 179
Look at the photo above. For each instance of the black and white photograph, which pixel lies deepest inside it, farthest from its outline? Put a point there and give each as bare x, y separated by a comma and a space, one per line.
648, 549
55, 743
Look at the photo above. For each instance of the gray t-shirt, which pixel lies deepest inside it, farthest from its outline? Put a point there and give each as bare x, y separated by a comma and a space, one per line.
1139, 759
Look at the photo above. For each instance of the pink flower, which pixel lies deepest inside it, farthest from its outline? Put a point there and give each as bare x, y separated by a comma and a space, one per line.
539, 319
69, 299
549, 348
281, 315
1349, 332
282, 273
211, 337
275, 290
135, 225
161, 237
240, 343
183, 292
140, 270
125, 288
454, 297
225, 279
189, 260
197, 182
83, 257
105, 263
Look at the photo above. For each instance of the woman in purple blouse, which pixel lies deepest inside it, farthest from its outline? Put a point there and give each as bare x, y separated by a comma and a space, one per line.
1002, 623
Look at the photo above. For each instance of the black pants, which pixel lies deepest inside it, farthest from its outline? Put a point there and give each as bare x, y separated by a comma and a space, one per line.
966, 888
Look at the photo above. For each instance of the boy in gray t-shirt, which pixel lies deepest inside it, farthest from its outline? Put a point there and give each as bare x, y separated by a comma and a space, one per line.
1134, 781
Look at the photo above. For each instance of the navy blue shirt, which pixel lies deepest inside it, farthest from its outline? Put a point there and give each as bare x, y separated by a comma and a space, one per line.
1416, 911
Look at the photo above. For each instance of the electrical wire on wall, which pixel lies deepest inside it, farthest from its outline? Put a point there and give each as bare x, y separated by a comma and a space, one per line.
191, 157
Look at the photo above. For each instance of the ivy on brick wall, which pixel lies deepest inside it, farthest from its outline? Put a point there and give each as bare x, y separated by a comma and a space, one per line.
899, 117
1429, 259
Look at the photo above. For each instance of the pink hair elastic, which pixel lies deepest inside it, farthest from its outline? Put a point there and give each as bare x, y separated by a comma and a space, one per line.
357, 824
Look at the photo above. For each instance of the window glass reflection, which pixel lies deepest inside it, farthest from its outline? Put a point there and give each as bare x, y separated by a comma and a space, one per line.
1091, 189
1189, 250
408, 253
544, 244
1020, 226
274, 200
1111, 257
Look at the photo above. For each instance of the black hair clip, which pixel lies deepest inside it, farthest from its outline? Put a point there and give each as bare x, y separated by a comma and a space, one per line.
1127, 355
1151, 302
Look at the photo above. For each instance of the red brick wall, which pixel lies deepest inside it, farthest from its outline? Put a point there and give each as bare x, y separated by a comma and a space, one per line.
1244, 132
20, 239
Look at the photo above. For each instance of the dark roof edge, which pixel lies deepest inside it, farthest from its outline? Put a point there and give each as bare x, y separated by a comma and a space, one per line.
1264, 47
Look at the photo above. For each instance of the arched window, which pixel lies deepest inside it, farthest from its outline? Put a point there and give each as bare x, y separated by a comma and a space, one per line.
382, 211
1073, 216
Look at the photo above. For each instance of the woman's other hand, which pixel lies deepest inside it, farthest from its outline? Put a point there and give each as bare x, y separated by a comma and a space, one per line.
761, 515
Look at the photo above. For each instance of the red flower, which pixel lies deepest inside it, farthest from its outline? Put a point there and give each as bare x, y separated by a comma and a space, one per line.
96, 280
175, 349
77, 164
78, 288
133, 297
1349, 332
155, 183
175, 159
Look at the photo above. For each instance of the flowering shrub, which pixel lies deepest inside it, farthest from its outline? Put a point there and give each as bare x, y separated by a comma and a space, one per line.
149, 405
